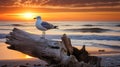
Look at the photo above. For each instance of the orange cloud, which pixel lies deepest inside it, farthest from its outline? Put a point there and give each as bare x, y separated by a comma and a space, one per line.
61, 10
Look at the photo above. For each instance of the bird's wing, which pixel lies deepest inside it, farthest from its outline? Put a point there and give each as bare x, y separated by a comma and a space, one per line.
47, 25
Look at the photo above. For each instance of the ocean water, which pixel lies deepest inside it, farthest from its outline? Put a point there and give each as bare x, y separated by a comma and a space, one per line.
102, 34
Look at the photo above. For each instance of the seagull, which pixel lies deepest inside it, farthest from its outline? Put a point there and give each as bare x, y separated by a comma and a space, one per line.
43, 25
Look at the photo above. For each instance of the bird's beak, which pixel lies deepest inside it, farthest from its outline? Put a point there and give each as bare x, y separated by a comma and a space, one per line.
35, 18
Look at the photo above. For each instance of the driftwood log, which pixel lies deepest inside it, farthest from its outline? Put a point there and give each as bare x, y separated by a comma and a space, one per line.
55, 53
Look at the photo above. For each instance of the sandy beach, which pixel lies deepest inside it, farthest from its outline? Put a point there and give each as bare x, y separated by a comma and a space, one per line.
109, 57
108, 60
22, 62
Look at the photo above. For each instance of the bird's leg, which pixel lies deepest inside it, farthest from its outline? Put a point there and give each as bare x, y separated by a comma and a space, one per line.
43, 34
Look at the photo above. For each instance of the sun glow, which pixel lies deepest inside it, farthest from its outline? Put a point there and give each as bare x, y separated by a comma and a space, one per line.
28, 15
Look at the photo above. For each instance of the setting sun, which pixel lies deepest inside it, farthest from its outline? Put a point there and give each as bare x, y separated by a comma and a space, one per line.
28, 15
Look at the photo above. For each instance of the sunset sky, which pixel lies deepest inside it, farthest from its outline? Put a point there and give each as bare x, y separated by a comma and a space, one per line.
19, 10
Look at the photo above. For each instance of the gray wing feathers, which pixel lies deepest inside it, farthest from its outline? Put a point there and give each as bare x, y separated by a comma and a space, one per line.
47, 25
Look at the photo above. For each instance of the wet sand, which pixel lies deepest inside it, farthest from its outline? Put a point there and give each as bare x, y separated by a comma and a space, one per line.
31, 62
110, 61
110, 58
107, 61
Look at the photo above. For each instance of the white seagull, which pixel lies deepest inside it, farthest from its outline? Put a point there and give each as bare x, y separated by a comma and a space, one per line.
43, 26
